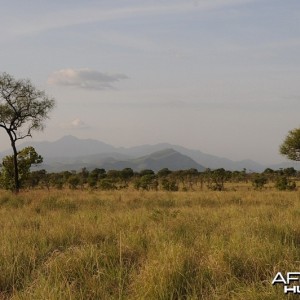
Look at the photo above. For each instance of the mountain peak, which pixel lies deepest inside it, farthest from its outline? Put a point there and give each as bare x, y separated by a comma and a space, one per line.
68, 138
166, 158
162, 153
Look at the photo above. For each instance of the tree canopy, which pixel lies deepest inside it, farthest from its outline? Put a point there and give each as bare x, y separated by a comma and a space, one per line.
291, 145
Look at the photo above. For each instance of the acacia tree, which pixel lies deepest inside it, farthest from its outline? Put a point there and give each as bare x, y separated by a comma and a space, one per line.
23, 109
291, 145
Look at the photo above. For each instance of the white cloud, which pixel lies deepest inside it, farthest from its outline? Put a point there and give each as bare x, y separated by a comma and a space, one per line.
76, 123
85, 78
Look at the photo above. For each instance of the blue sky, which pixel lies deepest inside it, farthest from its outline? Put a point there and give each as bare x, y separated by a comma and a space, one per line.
221, 76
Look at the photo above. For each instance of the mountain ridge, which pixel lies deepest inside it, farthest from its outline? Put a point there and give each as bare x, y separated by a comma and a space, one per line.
72, 153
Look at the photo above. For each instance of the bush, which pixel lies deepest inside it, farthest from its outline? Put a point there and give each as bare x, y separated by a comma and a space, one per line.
107, 184
283, 183
169, 185
73, 181
259, 181
146, 182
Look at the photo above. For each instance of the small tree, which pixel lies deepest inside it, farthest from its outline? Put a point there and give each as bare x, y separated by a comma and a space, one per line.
74, 181
169, 185
283, 183
217, 178
26, 158
291, 145
146, 182
23, 109
163, 172
259, 181
125, 175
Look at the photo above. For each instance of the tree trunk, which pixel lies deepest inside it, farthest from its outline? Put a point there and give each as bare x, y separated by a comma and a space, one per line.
15, 160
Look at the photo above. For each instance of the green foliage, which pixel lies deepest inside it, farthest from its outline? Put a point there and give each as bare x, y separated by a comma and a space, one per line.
216, 179
268, 171
291, 145
94, 176
163, 172
169, 185
92, 181
146, 172
259, 181
107, 184
57, 180
283, 183
126, 174
37, 178
26, 158
146, 182
180, 180
289, 172
73, 181
22, 104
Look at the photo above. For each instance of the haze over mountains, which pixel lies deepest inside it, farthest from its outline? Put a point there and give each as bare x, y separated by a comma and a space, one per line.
71, 153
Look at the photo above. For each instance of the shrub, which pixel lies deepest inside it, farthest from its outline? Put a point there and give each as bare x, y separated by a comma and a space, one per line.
283, 183
259, 181
169, 185
107, 184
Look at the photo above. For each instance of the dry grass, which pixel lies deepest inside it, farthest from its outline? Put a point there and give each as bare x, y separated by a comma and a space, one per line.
147, 245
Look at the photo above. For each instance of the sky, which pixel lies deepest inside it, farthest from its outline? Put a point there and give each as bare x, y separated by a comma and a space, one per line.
220, 76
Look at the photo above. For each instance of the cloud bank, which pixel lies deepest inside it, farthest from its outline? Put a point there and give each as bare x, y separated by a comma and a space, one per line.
85, 79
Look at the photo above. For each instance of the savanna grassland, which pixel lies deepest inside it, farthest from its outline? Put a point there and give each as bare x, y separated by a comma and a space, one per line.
147, 245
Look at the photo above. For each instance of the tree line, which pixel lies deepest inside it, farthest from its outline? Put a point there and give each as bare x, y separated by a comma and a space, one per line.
165, 179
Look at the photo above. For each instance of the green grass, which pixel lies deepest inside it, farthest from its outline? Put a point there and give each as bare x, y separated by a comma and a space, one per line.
147, 245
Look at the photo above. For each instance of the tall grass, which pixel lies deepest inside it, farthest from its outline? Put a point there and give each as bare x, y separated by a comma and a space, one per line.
147, 245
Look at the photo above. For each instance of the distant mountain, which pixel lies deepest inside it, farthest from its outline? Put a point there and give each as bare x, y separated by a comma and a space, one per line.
58, 164
69, 146
167, 158
210, 161
71, 153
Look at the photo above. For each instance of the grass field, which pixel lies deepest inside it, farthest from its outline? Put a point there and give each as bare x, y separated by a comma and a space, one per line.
147, 245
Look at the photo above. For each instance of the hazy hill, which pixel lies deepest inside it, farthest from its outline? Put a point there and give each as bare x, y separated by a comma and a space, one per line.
57, 164
210, 161
167, 158
69, 146
71, 153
